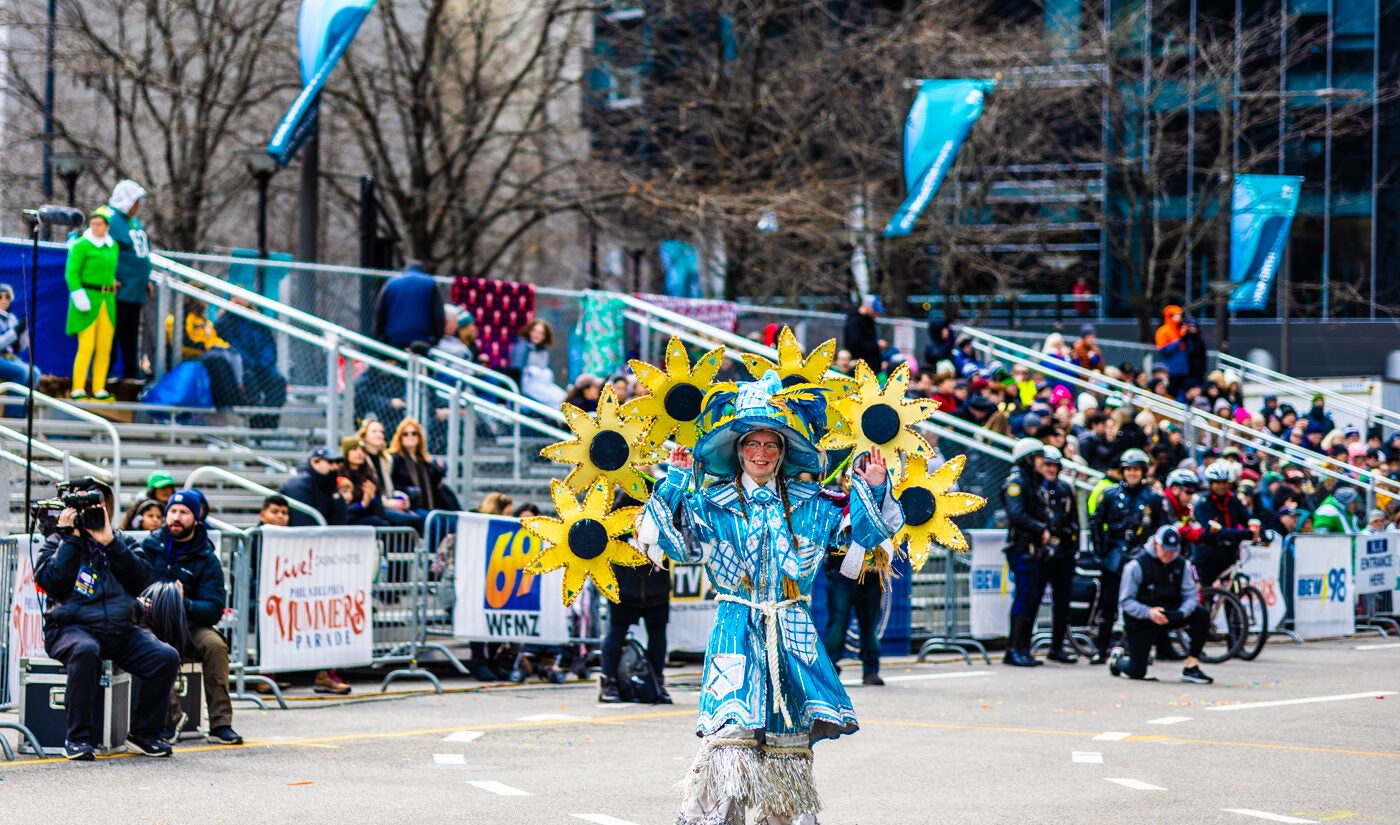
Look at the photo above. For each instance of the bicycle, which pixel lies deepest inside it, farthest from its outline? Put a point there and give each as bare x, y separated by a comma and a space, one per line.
1256, 610
1229, 626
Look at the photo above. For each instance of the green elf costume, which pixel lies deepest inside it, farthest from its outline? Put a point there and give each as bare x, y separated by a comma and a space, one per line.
91, 276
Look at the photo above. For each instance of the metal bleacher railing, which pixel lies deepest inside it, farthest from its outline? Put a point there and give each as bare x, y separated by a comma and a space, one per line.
1199, 426
1277, 383
355, 375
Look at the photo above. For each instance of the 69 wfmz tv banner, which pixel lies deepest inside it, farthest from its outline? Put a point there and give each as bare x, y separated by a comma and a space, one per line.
498, 599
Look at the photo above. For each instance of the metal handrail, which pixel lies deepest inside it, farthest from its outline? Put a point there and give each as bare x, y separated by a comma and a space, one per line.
1306, 390
77, 412
53, 452
1262, 441
199, 473
15, 458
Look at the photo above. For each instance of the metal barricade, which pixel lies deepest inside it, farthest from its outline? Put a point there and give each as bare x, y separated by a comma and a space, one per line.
9, 569
400, 591
440, 593
941, 605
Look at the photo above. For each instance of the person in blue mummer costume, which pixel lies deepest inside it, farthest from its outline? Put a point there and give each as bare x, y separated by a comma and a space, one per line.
769, 691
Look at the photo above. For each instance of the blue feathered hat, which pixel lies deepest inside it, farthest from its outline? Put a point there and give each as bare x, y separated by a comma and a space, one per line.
797, 414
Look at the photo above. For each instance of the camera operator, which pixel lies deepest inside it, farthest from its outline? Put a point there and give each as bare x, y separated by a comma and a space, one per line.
93, 576
181, 551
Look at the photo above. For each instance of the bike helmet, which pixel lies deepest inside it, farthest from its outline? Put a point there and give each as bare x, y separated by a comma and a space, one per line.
1133, 458
1052, 455
1183, 478
1219, 471
1025, 448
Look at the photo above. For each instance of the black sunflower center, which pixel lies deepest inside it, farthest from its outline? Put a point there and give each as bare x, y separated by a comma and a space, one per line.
793, 380
588, 538
683, 402
919, 506
880, 423
609, 451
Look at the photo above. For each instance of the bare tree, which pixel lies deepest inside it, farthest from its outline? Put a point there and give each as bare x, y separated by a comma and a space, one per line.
466, 113
161, 91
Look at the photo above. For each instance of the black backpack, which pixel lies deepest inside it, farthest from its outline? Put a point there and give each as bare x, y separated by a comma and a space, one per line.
635, 680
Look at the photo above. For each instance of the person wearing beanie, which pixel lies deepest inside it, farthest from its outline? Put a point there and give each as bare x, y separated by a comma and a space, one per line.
181, 551
1337, 513
133, 272
1375, 522
91, 278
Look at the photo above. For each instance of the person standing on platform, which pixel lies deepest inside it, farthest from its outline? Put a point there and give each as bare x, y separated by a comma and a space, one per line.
91, 278
134, 285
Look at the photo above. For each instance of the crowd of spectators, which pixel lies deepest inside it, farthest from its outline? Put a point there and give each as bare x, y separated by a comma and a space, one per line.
1094, 427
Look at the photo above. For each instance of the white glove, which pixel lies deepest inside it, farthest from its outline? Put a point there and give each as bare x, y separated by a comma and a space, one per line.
80, 300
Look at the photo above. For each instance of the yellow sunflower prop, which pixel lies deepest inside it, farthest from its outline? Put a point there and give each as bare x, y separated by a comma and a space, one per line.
584, 539
880, 417
929, 507
677, 394
607, 446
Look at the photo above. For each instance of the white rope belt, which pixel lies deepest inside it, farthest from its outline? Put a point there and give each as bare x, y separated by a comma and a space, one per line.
769, 612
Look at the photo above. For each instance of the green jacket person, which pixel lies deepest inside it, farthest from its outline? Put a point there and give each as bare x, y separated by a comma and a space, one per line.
91, 276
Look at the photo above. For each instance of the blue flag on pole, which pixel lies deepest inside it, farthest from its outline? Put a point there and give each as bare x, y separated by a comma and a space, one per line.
681, 264
324, 32
938, 123
1262, 210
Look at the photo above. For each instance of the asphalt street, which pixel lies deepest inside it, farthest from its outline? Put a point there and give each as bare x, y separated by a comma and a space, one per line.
1304, 734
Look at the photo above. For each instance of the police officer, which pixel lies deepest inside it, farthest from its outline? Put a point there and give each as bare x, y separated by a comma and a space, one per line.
1128, 514
1158, 594
1028, 535
1062, 517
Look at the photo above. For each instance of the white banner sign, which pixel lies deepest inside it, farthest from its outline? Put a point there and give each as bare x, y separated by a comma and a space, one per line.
992, 588
316, 609
497, 601
25, 624
1375, 562
1323, 593
1262, 563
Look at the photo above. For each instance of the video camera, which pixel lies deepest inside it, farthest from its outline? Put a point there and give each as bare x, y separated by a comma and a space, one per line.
90, 504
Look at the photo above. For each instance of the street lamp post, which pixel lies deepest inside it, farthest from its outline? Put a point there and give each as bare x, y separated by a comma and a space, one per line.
70, 166
262, 167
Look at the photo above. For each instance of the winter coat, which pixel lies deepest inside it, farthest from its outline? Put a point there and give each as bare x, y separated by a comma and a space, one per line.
863, 340
92, 267
108, 610
409, 310
318, 492
252, 340
1170, 330
195, 564
938, 348
134, 255
408, 473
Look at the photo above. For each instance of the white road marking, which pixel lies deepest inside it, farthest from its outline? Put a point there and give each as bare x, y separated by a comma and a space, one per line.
500, 789
1382, 646
1112, 736
1135, 784
549, 717
1086, 757
919, 677
464, 736
1278, 703
1169, 720
602, 819
1266, 815
449, 759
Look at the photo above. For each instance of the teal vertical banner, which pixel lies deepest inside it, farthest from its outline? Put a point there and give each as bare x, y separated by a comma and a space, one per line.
938, 123
1262, 209
681, 264
324, 31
